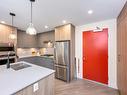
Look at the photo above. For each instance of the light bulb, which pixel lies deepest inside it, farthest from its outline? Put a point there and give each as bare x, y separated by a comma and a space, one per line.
31, 30
90, 12
12, 36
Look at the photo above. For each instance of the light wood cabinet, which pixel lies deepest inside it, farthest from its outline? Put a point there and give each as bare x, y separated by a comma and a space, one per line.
122, 51
26, 41
46, 87
5, 31
63, 32
57, 35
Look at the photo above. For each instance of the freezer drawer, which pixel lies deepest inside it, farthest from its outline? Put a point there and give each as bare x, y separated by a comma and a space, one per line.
62, 73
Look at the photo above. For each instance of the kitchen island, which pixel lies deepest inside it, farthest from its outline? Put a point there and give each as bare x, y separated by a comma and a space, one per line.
33, 80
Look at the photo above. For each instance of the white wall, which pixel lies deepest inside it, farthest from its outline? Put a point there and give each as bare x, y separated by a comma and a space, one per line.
111, 25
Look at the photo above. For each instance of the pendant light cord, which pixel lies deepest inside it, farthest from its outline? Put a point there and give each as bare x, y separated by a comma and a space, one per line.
12, 25
31, 11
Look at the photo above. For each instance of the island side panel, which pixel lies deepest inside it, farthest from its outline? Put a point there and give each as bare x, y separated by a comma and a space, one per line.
46, 87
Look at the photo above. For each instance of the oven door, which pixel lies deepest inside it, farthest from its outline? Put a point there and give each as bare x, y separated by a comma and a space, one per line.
4, 61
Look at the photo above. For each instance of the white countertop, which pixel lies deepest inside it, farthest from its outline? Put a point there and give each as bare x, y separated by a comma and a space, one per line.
12, 81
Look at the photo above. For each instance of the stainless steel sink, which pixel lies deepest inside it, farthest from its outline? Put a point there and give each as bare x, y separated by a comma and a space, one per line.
19, 66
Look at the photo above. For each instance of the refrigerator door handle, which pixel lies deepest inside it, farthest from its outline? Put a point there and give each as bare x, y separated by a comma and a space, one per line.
61, 66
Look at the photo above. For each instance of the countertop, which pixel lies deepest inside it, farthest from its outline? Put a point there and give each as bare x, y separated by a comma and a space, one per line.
12, 81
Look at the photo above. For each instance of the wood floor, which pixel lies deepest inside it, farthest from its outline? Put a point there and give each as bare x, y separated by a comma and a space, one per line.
82, 87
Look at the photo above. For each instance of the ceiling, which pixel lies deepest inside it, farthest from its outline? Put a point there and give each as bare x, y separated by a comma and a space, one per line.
52, 12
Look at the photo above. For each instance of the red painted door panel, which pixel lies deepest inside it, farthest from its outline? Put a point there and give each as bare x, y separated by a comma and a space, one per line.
95, 56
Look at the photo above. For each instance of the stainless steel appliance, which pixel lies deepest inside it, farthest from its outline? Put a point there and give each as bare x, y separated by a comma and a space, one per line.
62, 60
5, 49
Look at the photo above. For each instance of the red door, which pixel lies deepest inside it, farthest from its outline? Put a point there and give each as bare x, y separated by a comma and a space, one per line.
95, 56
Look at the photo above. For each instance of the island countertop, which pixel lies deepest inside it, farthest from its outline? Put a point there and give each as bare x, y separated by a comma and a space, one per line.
12, 81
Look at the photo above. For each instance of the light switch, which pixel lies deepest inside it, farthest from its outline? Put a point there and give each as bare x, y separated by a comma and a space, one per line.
35, 87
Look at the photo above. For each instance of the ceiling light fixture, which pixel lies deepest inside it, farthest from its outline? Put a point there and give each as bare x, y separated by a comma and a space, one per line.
46, 27
64, 21
31, 30
90, 12
3, 22
12, 35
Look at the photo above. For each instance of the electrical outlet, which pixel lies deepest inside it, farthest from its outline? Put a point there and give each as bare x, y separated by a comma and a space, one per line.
35, 87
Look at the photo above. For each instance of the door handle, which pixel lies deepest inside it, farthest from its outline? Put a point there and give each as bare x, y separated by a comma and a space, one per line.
118, 57
84, 58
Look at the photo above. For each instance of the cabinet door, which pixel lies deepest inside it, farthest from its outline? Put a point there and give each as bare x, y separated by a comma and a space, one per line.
45, 87
65, 32
47, 36
57, 34
5, 31
121, 54
26, 41
121, 51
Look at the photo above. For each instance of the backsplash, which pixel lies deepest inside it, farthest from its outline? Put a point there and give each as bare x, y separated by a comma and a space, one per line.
44, 51
22, 52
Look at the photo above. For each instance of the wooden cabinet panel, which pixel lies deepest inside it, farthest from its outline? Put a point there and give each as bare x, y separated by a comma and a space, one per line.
46, 87
26, 41
19, 93
63, 32
5, 31
121, 51
57, 34
47, 36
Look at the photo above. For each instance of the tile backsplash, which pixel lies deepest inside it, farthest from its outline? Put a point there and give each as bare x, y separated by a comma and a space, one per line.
44, 51
22, 52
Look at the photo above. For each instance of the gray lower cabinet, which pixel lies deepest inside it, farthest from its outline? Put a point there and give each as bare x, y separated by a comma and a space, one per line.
40, 61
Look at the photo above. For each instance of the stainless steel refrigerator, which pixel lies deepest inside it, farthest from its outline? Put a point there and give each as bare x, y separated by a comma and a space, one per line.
62, 60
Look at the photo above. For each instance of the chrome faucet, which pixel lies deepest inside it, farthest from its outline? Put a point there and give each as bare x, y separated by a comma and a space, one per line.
8, 61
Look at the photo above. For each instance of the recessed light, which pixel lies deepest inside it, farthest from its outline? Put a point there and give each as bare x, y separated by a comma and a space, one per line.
3, 22
64, 21
46, 26
90, 12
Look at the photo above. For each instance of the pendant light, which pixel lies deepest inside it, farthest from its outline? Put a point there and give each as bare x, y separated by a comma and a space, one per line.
12, 35
31, 30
